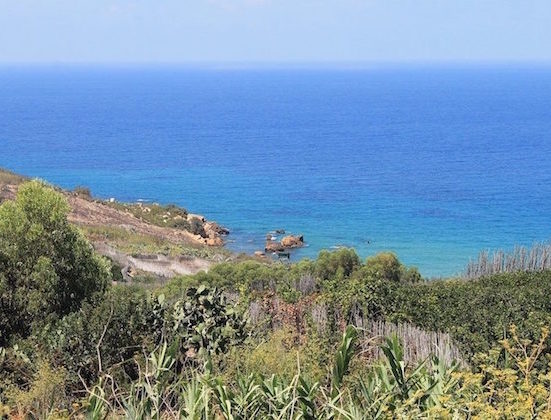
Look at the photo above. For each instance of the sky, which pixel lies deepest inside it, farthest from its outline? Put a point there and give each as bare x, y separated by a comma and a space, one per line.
274, 31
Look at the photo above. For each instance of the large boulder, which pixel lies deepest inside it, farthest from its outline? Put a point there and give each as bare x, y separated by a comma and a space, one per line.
214, 229
292, 241
274, 246
214, 241
196, 216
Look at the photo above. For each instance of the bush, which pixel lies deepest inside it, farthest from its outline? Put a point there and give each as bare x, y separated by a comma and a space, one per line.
45, 395
182, 224
251, 279
477, 313
202, 325
83, 191
336, 265
103, 336
384, 265
279, 354
47, 267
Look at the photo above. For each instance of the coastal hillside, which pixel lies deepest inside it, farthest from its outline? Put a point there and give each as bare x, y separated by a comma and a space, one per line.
334, 337
383, 166
144, 239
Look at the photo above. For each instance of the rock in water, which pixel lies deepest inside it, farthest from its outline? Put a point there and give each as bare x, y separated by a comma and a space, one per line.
273, 246
292, 241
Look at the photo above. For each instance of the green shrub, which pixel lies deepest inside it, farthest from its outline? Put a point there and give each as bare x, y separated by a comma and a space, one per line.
45, 395
384, 265
338, 264
104, 335
182, 224
477, 313
249, 278
278, 354
203, 324
47, 268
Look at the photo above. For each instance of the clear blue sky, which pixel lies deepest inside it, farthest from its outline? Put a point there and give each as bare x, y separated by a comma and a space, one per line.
157, 31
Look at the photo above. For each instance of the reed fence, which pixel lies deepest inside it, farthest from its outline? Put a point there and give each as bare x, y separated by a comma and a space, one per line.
534, 258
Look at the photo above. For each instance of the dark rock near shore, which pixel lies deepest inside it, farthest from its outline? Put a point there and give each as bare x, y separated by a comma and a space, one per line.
213, 227
274, 246
290, 241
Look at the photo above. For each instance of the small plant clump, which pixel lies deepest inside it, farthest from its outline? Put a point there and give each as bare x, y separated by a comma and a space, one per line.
83, 192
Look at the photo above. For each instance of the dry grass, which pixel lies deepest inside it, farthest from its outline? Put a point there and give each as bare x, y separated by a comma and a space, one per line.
136, 243
165, 216
8, 177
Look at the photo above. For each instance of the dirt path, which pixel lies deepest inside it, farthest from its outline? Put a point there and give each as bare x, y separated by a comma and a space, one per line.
156, 264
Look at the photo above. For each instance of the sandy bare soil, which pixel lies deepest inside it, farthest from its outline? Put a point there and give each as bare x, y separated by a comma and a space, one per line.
159, 265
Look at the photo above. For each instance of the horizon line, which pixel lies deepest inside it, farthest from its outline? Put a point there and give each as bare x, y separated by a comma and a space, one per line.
289, 64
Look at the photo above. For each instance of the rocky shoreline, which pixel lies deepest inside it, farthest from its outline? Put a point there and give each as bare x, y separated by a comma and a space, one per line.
175, 242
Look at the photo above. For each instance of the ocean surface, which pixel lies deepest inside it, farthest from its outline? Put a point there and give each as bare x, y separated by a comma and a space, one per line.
433, 163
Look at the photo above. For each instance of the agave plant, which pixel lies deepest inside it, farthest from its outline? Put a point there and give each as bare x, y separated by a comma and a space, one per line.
392, 388
147, 396
195, 400
344, 356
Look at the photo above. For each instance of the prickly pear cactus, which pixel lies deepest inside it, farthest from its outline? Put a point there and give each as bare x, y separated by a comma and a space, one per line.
204, 324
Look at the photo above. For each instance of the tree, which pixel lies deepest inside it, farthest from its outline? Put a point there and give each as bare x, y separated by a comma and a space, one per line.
384, 265
47, 267
338, 264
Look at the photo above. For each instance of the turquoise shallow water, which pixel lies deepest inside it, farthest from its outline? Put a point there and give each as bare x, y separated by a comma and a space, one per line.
435, 164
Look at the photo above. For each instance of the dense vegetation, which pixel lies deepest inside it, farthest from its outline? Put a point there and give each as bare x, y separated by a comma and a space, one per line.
253, 339
47, 268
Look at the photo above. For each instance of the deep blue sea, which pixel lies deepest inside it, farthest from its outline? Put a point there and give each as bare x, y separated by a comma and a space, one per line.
433, 163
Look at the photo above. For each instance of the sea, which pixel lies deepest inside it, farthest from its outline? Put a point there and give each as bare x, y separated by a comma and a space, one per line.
433, 162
